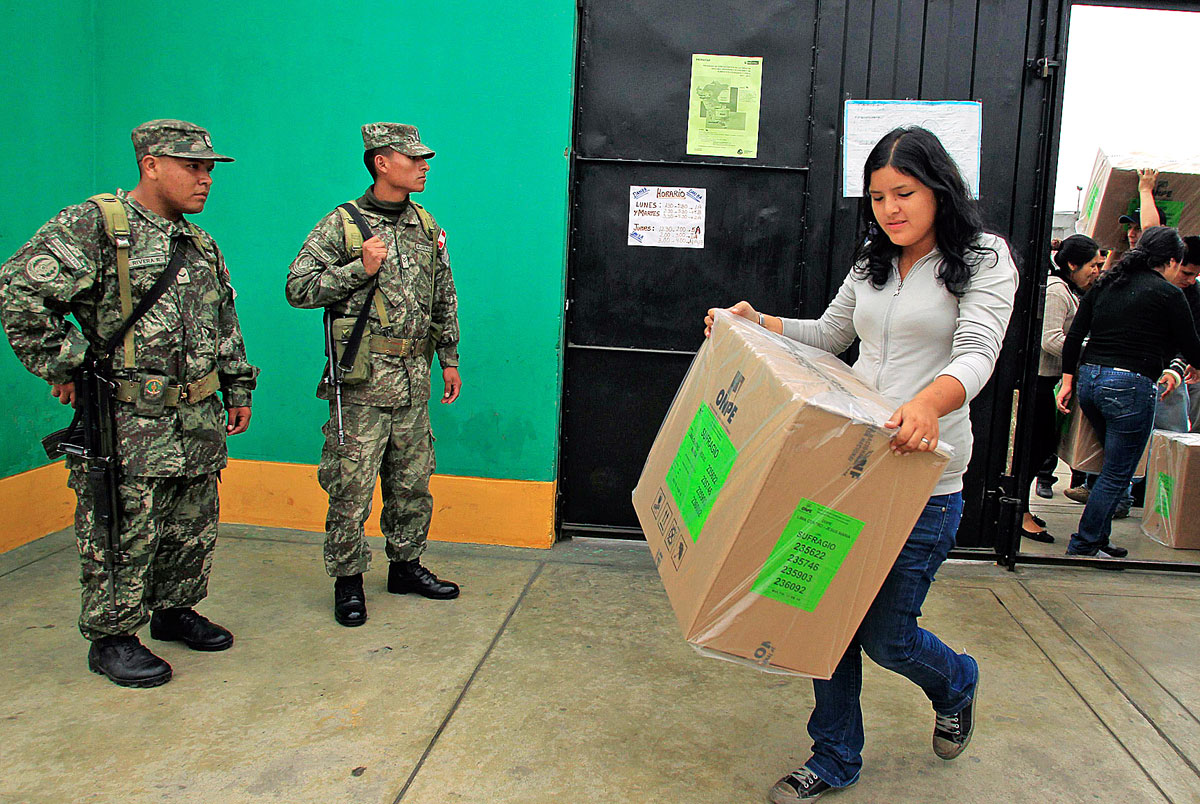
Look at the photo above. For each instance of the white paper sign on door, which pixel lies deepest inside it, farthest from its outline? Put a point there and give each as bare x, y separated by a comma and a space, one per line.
666, 216
958, 124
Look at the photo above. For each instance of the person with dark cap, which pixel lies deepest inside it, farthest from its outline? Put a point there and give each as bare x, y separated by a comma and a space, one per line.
381, 260
165, 362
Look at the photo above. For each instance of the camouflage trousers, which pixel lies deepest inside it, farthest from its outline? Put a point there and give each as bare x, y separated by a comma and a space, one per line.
395, 445
168, 532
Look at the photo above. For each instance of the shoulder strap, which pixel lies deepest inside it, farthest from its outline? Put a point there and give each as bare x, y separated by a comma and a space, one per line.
202, 247
356, 235
431, 229
350, 232
426, 220
116, 224
351, 213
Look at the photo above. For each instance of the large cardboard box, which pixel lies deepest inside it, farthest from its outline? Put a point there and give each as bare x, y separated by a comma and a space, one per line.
1172, 512
1113, 192
772, 503
1080, 447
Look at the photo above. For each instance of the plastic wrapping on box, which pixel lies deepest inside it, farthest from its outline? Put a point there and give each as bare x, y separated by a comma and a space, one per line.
1171, 515
772, 502
1113, 191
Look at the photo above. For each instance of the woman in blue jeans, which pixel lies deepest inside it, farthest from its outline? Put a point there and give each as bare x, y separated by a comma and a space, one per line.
1135, 321
930, 296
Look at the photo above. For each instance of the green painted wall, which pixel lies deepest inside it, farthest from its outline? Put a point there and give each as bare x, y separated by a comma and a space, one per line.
47, 141
283, 87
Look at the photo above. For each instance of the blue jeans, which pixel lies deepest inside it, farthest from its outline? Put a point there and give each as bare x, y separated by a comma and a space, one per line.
890, 636
1120, 406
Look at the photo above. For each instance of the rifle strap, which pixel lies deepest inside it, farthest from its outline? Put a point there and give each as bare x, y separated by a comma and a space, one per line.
361, 232
354, 231
125, 331
373, 294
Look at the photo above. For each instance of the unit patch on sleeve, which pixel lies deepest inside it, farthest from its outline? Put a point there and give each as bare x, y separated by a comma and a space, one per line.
42, 268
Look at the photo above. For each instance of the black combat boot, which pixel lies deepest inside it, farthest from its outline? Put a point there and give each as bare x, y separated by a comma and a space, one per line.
349, 600
192, 629
410, 576
127, 662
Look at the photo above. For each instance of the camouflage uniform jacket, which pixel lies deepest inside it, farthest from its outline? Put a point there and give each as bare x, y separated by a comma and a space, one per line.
324, 275
69, 267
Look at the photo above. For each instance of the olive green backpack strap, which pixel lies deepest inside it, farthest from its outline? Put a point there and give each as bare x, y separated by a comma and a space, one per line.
116, 224
431, 229
426, 220
354, 241
351, 233
202, 247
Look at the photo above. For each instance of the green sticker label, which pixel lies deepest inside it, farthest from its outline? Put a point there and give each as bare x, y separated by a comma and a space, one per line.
700, 468
1089, 209
1162, 498
814, 543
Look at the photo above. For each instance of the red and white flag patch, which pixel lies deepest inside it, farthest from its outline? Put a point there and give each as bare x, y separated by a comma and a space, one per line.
442, 239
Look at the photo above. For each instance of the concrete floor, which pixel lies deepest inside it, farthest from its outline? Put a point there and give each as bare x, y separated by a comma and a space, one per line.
560, 676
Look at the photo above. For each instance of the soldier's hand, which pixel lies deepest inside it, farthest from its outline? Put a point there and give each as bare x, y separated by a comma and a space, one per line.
373, 253
239, 420
453, 383
64, 393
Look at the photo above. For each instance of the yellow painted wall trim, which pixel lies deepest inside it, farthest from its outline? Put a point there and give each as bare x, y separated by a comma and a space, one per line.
515, 513
35, 503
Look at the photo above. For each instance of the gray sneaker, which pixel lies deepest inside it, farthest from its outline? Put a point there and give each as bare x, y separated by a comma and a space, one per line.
952, 733
798, 786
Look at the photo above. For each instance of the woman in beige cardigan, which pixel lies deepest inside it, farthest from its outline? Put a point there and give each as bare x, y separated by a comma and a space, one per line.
1077, 264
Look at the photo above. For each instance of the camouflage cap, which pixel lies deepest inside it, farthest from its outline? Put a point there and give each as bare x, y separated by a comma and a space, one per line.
174, 138
397, 136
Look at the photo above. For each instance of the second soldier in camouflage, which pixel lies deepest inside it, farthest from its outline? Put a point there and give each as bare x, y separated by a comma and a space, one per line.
402, 274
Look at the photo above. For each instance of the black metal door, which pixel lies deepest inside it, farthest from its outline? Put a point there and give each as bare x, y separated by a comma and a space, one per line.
779, 232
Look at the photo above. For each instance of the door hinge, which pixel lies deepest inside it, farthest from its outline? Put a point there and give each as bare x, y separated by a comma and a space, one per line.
1043, 66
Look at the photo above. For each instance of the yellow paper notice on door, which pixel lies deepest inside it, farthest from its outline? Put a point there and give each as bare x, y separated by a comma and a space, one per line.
723, 106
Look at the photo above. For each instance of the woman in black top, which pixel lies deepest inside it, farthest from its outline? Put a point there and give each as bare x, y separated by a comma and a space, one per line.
1135, 321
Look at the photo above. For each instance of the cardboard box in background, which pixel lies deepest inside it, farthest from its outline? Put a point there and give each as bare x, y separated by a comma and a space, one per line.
772, 503
1113, 192
1172, 512
1080, 448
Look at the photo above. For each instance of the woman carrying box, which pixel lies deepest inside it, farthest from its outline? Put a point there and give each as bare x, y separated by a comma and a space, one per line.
929, 296
1135, 321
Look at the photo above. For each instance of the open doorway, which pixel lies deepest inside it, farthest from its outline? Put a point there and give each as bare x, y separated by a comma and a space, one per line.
1126, 105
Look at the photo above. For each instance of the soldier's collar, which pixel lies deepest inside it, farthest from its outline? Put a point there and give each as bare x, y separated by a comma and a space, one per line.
393, 211
177, 228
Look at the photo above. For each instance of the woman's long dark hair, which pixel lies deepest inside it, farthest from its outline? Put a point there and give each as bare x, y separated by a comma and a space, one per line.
917, 152
1157, 246
1074, 253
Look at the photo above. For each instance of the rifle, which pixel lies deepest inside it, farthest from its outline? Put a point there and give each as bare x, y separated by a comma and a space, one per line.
92, 434
333, 376
92, 438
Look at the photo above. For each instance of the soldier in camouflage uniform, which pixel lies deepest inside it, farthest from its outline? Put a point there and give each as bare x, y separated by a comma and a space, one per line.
186, 347
385, 417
